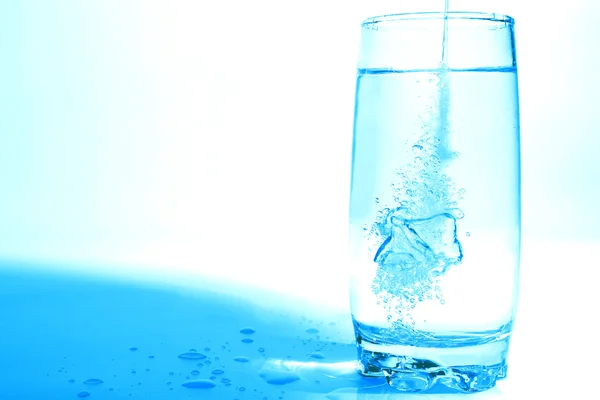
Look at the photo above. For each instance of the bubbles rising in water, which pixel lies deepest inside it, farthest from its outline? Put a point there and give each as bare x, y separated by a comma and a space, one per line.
415, 243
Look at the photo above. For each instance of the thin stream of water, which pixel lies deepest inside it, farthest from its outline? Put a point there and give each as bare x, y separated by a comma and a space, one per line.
445, 36
443, 152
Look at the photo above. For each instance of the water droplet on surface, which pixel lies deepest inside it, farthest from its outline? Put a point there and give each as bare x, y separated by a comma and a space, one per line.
147, 370
133, 371
218, 372
133, 349
247, 331
275, 377
171, 373
150, 356
71, 381
242, 389
247, 340
207, 349
207, 362
193, 350
195, 372
312, 331
241, 359
93, 381
468, 233
83, 394
192, 356
417, 148
317, 356
199, 384
261, 350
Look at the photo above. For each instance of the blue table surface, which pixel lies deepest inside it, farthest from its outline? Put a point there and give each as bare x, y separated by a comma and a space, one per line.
64, 336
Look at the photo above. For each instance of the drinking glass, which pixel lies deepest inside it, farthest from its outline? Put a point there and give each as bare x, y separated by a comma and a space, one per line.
435, 200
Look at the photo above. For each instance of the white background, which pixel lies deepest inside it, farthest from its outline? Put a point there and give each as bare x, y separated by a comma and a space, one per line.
213, 138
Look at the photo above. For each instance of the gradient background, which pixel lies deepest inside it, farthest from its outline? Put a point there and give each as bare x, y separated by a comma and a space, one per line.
181, 139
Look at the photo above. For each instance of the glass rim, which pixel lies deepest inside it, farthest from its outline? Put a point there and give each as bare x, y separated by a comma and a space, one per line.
438, 15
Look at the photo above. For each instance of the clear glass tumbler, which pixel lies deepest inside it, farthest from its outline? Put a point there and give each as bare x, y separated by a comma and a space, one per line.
435, 200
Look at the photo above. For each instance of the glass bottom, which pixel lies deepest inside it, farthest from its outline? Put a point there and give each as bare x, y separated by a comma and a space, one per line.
474, 367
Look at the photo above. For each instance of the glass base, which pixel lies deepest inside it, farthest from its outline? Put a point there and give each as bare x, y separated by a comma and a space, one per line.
465, 369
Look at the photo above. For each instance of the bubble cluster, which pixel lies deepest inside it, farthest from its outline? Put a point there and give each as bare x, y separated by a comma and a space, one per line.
414, 241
